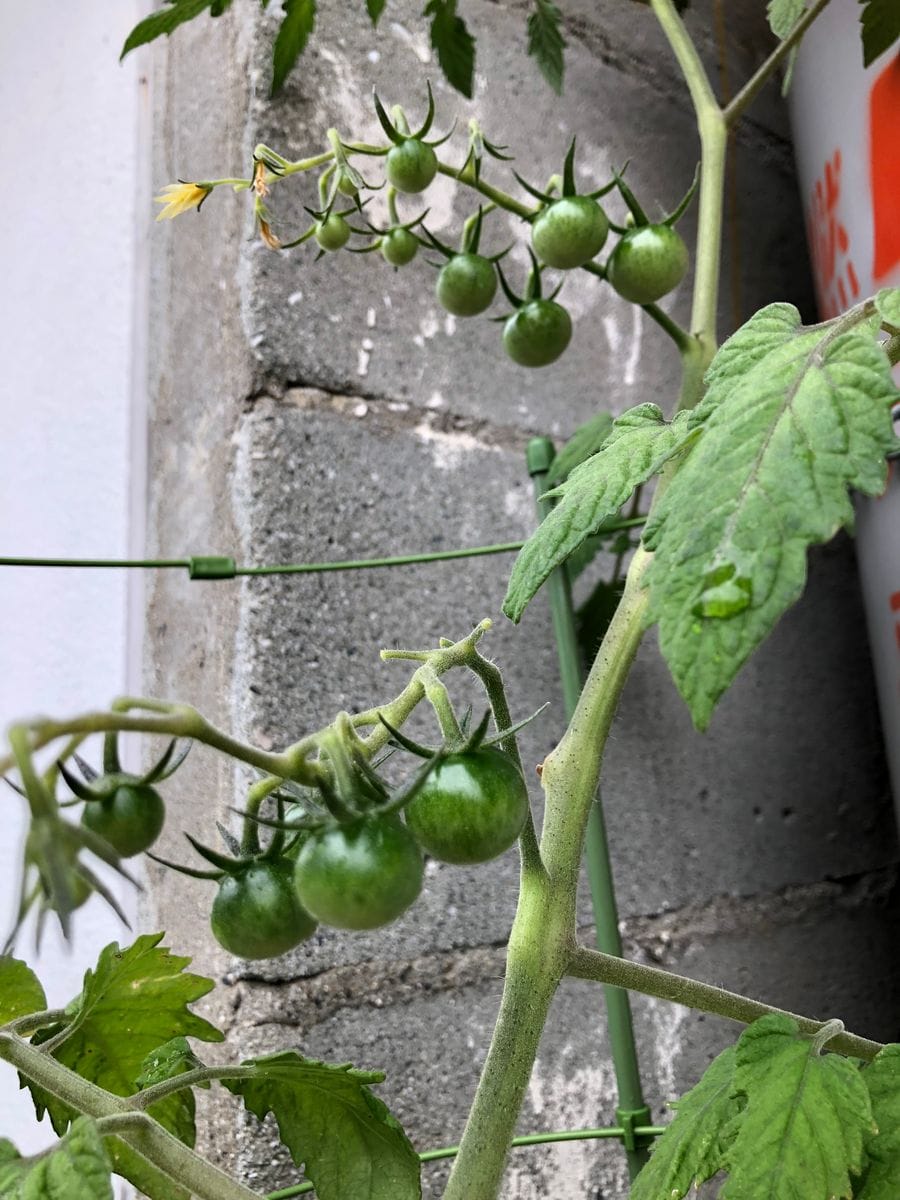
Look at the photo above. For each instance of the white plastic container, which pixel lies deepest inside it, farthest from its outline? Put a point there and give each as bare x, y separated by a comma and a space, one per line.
847, 136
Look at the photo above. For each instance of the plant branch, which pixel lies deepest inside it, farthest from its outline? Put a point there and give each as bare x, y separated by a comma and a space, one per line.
653, 981
146, 1136
751, 89
158, 1091
23, 1026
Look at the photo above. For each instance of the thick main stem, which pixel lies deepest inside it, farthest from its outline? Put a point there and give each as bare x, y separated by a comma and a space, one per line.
540, 944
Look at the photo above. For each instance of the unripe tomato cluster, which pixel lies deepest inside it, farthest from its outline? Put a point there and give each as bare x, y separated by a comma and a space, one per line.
567, 232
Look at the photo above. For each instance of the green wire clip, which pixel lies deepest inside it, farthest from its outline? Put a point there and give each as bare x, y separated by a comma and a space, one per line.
212, 566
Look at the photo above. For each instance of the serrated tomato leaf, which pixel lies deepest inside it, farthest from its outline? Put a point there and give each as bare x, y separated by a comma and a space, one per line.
693, 1147
880, 27
345, 1138
167, 19
20, 990
131, 1003
640, 443
888, 304
792, 419
453, 44
585, 441
805, 1119
881, 1179
297, 24
546, 43
77, 1168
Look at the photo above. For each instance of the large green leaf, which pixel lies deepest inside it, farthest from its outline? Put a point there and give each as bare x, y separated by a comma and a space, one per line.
453, 44
693, 1147
135, 1000
585, 441
167, 19
880, 27
546, 43
792, 419
342, 1134
77, 1168
806, 1116
297, 24
20, 990
640, 443
881, 1180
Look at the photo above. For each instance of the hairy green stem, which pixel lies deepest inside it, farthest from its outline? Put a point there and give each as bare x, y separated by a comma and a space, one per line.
653, 981
158, 1091
148, 1138
543, 931
713, 149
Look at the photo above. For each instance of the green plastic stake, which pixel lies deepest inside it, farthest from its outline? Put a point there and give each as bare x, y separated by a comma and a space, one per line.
633, 1111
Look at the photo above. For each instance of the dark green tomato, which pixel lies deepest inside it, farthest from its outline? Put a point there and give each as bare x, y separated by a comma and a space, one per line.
410, 166
466, 284
333, 233
131, 819
360, 875
569, 232
256, 913
537, 333
399, 247
470, 808
648, 263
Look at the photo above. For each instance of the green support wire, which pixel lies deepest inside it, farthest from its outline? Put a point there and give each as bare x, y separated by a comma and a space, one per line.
632, 1112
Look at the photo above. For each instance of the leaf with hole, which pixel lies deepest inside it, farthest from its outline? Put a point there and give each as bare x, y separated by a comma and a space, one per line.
793, 418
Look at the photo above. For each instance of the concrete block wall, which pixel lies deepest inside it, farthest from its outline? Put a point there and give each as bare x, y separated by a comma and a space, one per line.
311, 411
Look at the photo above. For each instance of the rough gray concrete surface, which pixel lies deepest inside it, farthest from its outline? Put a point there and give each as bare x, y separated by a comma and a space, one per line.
309, 411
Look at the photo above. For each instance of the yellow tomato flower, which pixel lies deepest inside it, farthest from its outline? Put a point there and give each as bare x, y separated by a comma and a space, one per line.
179, 197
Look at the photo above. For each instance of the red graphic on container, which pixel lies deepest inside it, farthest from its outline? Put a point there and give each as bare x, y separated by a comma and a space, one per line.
837, 283
895, 608
884, 158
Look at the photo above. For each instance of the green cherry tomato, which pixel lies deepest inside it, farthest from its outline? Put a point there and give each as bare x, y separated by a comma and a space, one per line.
648, 262
537, 333
466, 284
333, 233
569, 232
399, 246
346, 186
410, 166
470, 808
360, 875
257, 914
130, 820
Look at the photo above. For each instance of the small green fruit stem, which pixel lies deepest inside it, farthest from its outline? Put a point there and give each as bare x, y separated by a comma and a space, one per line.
148, 1139
439, 699
542, 937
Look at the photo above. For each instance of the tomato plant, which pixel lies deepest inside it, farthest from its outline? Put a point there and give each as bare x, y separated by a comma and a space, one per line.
470, 808
256, 912
360, 875
769, 437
